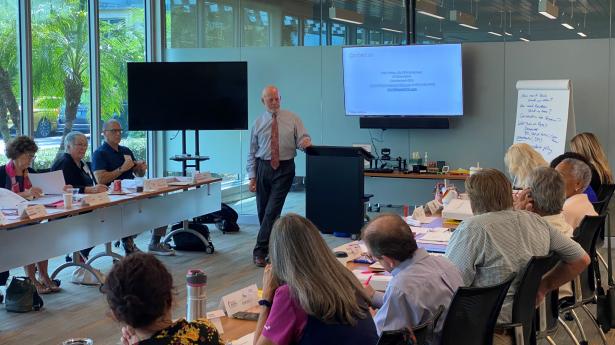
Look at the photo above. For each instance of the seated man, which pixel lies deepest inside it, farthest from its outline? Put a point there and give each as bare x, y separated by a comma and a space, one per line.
498, 241
420, 284
110, 162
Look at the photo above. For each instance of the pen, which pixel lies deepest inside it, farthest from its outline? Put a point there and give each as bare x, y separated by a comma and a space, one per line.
368, 279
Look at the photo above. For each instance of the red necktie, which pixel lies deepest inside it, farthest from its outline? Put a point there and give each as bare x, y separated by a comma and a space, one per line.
275, 142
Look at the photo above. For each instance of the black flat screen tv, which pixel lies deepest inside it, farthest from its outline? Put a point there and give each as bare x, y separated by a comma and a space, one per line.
187, 95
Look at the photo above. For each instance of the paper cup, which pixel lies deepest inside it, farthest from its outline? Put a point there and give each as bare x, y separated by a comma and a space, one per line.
68, 200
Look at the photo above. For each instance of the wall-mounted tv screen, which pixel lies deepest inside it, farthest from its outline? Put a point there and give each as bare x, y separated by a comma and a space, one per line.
187, 95
411, 80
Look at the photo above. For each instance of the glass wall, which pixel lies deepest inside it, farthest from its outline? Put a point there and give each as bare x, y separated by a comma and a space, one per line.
10, 93
122, 40
60, 74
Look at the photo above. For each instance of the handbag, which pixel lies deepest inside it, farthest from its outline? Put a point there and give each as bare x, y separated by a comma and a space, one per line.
605, 307
21, 296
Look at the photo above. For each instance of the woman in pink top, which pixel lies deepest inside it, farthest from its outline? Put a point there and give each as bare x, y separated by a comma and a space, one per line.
308, 296
577, 176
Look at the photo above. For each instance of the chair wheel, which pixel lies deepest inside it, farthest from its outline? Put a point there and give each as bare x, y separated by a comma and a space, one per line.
209, 249
583, 342
568, 317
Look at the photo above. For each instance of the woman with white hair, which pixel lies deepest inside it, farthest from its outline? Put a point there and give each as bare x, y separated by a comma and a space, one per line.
520, 160
78, 174
577, 175
308, 296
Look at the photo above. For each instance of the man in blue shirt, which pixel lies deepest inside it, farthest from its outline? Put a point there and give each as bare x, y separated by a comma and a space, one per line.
275, 138
111, 162
421, 282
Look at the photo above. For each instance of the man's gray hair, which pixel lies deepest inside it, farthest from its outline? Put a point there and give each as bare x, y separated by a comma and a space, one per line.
579, 170
109, 122
72, 137
548, 192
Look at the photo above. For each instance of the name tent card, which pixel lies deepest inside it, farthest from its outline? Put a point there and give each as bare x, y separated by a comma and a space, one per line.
241, 300
96, 199
153, 184
33, 211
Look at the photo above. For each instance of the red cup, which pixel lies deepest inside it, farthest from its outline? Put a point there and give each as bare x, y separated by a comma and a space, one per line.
117, 185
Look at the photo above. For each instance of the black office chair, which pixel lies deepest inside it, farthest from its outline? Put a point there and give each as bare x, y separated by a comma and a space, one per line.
424, 332
584, 286
473, 313
524, 310
605, 191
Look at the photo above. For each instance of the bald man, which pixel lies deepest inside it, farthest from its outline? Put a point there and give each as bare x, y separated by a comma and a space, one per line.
421, 282
112, 161
275, 138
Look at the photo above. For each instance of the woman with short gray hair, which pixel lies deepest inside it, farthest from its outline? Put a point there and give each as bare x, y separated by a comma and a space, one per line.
78, 174
577, 176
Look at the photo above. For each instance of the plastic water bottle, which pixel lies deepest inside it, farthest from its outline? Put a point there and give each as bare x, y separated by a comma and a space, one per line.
196, 296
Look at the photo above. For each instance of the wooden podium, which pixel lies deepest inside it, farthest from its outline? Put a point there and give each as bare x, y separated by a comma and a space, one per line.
334, 199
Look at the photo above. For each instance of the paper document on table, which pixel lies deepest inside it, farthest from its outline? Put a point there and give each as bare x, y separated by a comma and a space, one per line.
46, 200
418, 230
436, 236
245, 340
8, 199
240, 300
51, 182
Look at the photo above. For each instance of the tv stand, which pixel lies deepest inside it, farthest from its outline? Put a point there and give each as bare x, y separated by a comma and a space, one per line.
187, 157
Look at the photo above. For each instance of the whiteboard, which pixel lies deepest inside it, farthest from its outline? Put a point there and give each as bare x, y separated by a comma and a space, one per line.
545, 115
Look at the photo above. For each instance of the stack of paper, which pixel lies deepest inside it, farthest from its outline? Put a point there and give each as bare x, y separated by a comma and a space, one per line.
435, 237
378, 281
245, 340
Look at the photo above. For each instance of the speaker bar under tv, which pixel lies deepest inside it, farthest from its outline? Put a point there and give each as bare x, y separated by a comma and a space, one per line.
404, 122
187, 95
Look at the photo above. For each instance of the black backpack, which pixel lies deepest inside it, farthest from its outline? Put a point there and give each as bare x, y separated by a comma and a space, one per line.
188, 242
225, 219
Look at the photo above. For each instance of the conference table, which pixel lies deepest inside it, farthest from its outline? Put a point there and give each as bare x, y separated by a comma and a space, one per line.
235, 329
62, 231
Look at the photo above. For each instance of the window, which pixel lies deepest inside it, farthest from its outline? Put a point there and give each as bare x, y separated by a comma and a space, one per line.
122, 39
290, 31
338, 34
60, 74
256, 28
181, 18
219, 25
10, 113
361, 39
313, 33
375, 37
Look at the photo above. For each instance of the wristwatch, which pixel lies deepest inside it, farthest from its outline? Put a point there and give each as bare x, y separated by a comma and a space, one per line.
264, 303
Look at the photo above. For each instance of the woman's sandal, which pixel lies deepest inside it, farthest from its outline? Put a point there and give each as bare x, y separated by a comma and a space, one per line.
40, 288
51, 285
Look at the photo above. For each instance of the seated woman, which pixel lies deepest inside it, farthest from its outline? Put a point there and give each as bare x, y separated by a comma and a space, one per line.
587, 145
78, 174
576, 175
520, 160
308, 296
139, 290
594, 184
14, 176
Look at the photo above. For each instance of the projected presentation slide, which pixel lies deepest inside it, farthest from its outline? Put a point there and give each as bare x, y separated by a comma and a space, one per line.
403, 80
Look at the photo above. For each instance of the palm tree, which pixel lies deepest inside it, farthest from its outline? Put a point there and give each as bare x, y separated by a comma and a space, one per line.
9, 76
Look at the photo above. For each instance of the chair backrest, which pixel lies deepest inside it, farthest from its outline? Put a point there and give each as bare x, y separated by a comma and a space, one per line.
524, 310
424, 332
587, 235
473, 313
606, 192
604, 197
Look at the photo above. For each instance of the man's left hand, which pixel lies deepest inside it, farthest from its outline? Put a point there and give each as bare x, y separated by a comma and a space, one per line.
305, 143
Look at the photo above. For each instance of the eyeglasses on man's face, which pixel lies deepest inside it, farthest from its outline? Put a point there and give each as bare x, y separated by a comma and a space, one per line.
114, 131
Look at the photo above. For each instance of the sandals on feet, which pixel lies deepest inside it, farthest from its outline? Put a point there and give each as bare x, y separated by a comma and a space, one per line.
40, 288
51, 285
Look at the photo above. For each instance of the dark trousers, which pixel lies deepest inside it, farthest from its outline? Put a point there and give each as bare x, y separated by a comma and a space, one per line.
272, 186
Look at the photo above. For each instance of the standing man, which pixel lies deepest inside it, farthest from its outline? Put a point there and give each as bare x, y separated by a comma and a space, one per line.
110, 162
275, 138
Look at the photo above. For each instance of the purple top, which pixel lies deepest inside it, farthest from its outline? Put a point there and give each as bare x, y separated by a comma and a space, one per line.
286, 320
